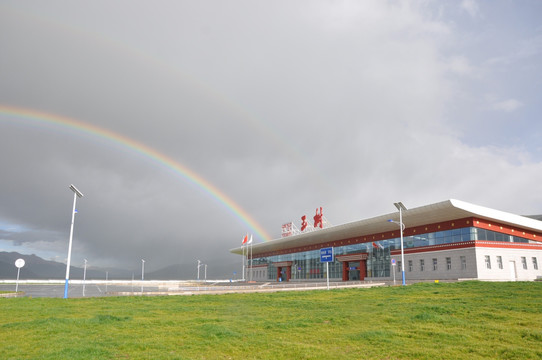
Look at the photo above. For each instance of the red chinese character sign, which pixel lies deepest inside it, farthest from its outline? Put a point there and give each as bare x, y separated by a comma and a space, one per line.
287, 229
304, 222
318, 219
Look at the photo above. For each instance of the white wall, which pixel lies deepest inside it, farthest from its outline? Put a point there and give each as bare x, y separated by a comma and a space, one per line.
510, 257
442, 272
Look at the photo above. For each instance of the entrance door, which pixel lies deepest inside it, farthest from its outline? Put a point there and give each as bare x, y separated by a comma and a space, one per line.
354, 266
284, 273
513, 273
353, 270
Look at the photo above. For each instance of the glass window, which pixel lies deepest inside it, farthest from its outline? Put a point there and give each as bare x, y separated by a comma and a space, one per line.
456, 235
422, 264
410, 265
499, 262
399, 268
448, 263
524, 262
463, 262
488, 262
535, 264
435, 265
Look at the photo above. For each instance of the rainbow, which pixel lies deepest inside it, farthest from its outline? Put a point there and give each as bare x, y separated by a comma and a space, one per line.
148, 152
111, 44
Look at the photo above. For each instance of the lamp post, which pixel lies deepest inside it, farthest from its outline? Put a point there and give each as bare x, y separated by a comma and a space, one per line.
84, 277
76, 194
199, 262
401, 208
142, 273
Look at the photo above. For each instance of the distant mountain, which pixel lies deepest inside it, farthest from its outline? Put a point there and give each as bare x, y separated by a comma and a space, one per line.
36, 268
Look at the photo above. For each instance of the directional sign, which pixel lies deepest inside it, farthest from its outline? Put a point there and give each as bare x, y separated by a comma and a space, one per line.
326, 255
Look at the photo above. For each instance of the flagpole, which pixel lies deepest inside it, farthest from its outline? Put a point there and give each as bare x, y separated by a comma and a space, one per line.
251, 270
246, 258
243, 249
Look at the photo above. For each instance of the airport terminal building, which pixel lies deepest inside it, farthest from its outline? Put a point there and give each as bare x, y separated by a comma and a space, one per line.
449, 240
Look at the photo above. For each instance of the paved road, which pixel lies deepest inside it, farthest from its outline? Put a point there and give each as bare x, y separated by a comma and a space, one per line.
76, 290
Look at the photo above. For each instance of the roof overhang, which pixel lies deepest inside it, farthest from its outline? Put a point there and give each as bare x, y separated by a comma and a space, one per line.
428, 214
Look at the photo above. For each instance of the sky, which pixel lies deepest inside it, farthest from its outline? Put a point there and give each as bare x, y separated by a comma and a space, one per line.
188, 124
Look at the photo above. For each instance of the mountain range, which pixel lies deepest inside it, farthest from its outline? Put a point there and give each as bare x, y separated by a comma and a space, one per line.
36, 268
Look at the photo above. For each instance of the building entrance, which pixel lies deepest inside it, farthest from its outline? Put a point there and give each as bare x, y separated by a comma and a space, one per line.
284, 270
353, 270
354, 266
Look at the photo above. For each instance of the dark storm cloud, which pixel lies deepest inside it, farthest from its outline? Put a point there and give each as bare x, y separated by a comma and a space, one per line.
283, 106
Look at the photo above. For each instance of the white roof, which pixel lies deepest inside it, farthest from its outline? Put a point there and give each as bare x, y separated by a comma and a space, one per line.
428, 214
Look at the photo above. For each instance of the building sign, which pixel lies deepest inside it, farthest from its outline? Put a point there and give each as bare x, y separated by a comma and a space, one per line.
318, 219
304, 222
290, 229
287, 229
326, 254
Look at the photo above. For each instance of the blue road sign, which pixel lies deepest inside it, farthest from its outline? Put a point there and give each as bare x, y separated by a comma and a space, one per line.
326, 255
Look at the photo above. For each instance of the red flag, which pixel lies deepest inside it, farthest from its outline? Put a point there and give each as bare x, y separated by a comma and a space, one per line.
245, 239
375, 246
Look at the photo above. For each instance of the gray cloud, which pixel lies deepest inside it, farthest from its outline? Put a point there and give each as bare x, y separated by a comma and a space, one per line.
283, 106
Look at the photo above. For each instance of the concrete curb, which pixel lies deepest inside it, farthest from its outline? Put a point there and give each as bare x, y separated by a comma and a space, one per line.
12, 295
246, 289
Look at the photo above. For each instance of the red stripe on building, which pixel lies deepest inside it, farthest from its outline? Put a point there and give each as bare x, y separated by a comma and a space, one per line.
469, 244
417, 230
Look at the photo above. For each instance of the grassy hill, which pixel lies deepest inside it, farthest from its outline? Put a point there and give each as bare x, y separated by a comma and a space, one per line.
467, 320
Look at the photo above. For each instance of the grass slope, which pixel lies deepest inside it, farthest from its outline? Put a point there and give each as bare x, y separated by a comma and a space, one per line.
467, 320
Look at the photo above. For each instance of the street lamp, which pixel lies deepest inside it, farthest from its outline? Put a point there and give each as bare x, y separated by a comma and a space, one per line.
200, 264
142, 273
76, 194
84, 277
401, 208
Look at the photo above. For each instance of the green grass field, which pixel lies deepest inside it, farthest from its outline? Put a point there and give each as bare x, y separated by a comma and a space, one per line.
467, 320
